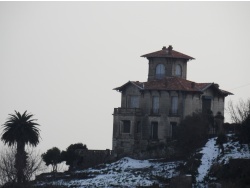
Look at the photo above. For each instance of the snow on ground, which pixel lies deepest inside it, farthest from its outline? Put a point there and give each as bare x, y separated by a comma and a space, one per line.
129, 172
233, 150
211, 155
126, 172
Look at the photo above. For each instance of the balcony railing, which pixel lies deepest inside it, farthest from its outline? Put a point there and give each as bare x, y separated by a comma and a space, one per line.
127, 111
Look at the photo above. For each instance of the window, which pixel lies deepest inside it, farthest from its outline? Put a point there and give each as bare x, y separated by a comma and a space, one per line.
155, 105
134, 101
178, 71
174, 105
126, 126
206, 104
174, 129
160, 71
154, 128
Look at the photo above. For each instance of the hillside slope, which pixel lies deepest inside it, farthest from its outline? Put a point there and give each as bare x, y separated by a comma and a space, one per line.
211, 155
129, 172
126, 172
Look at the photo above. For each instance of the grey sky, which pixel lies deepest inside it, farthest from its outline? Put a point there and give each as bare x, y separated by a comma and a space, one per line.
61, 60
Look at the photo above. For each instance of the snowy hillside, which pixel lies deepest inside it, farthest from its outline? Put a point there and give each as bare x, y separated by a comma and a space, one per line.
211, 155
126, 172
129, 172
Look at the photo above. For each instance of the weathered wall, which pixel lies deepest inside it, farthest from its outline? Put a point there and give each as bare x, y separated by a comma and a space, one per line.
192, 103
90, 158
130, 142
124, 142
217, 103
135, 140
130, 90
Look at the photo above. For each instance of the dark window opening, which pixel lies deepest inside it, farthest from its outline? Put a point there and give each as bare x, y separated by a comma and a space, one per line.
126, 126
154, 130
174, 129
206, 105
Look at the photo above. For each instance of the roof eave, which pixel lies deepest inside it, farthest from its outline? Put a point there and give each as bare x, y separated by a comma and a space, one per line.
226, 93
149, 56
124, 85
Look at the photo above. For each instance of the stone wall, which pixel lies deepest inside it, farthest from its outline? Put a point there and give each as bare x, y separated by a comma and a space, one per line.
90, 158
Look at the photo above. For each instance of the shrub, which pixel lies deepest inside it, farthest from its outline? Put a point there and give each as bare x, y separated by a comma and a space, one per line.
192, 132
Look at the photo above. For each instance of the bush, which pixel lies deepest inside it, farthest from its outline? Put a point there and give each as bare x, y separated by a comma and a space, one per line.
235, 173
193, 132
245, 130
71, 156
52, 157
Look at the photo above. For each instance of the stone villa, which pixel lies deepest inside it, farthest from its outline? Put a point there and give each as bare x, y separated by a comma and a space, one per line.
150, 111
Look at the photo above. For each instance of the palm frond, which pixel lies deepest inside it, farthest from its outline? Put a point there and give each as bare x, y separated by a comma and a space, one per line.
20, 128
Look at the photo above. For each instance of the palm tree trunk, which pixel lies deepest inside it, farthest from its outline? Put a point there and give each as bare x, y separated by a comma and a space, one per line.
20, 162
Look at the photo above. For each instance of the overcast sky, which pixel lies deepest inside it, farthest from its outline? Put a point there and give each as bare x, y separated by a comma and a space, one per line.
61, 60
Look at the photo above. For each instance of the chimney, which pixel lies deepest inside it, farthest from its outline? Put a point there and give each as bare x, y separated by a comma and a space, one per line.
170, 48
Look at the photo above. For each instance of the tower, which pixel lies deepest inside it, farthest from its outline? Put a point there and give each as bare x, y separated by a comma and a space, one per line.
167, 62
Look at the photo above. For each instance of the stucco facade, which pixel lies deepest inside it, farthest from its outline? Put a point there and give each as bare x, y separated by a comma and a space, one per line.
150, 111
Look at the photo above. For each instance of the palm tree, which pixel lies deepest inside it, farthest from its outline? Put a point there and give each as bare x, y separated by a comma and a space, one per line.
20, 130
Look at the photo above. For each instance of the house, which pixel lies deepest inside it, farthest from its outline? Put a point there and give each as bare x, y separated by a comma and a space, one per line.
150, 111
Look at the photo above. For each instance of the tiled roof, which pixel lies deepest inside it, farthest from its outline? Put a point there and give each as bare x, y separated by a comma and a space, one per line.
203, 86
168, 52
173, 84
169, 83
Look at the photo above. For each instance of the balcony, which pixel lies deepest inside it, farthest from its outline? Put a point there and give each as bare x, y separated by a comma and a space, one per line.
127, 111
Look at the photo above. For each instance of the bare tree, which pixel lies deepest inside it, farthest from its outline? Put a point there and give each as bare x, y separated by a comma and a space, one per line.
8, 172
7, 169
240, 111
35, 164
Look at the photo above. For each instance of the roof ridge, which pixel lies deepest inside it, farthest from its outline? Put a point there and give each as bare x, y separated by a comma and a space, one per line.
168, 52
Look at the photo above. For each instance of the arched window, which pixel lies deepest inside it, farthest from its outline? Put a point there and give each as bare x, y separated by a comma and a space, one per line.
178, 70
160, 71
